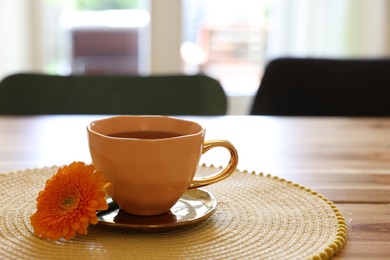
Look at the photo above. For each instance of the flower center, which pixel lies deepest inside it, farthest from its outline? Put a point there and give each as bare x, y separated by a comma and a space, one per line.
70, 199
68, 202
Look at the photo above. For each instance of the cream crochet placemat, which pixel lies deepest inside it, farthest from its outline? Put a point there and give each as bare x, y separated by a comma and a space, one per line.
258, 217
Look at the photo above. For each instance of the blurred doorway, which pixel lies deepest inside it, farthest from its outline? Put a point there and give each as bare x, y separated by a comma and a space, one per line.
104, 37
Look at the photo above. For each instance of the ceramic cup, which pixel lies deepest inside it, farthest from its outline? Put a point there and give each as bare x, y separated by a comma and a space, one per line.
150, 161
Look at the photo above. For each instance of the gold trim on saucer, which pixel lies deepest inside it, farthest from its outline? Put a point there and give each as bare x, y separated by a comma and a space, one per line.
194, 206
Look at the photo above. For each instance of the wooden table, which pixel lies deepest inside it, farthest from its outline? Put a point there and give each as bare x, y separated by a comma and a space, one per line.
344, 159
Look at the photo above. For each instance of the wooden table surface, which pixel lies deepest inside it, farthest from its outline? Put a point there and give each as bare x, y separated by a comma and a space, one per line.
345, 159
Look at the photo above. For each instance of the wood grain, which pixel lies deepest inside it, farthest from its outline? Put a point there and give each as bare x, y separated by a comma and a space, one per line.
368, 231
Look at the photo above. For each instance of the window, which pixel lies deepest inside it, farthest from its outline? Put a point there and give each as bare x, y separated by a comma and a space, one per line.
226, 39
221, 38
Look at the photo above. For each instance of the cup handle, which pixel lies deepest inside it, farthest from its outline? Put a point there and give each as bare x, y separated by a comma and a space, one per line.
226, 172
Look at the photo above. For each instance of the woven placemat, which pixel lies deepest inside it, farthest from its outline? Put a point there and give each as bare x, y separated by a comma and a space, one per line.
258, 217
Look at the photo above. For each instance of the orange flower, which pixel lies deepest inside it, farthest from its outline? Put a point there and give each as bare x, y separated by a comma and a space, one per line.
69, 201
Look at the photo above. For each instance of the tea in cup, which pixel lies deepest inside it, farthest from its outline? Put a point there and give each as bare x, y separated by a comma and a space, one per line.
150, 161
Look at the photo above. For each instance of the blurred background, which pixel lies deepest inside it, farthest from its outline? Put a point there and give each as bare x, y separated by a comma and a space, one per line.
229, 40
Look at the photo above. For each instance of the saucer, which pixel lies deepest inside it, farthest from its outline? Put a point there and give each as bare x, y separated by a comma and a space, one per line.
194, 206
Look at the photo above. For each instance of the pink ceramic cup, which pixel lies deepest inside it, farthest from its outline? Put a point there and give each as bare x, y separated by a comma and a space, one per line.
150, 161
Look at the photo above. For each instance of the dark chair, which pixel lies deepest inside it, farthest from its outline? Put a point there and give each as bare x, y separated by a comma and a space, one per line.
34, 94
324, 87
